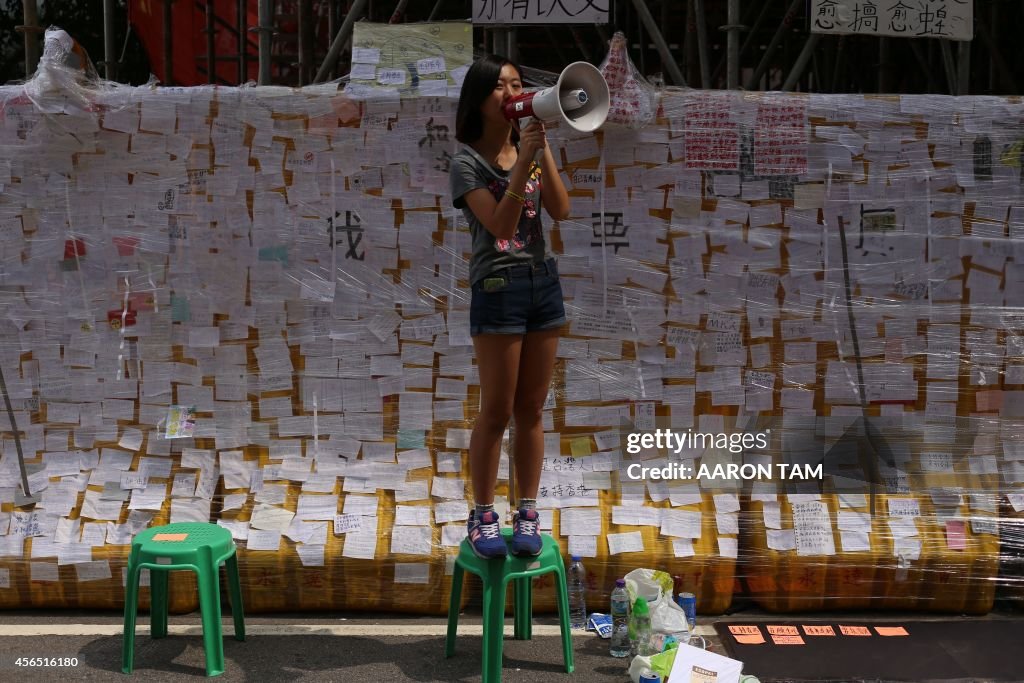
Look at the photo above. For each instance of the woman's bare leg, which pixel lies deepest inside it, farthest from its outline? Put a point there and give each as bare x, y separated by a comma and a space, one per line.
536, 367
497, 357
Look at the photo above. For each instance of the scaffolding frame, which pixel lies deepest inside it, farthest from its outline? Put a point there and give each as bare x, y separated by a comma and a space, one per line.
775, 51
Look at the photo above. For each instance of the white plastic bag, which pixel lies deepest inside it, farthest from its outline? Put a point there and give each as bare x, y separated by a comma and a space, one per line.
649, 583
638, 666
667, 618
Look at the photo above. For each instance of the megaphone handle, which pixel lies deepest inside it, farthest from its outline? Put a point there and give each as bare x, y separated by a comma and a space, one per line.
523, 123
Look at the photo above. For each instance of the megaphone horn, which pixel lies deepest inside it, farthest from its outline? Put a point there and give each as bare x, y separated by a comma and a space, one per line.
580, 99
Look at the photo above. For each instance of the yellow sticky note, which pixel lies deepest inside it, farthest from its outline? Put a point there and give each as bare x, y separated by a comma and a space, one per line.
580, 446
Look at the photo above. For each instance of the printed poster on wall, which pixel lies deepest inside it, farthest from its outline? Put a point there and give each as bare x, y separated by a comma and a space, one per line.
540, 11
413, 59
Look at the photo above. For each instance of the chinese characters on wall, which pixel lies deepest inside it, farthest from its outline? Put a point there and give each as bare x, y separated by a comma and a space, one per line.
950, 19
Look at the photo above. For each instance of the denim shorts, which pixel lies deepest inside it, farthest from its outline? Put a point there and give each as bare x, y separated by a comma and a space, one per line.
517, 300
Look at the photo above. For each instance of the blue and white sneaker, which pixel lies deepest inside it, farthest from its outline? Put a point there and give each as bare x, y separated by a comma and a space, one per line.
485, 536
526, 541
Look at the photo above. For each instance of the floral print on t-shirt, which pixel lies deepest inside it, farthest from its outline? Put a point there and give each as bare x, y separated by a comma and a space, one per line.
529, 228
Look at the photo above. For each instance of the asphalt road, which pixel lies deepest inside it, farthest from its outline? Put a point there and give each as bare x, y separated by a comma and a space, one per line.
318, 647
308, 648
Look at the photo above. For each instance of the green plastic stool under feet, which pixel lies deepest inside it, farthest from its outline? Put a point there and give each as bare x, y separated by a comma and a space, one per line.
495, 575
201, 548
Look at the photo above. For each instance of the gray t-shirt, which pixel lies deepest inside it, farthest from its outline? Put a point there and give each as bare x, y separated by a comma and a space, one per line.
470, 171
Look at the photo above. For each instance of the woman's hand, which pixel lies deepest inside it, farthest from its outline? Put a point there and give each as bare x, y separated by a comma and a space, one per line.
532, 139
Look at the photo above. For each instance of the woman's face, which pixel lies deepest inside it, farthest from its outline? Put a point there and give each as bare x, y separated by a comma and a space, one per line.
508, 86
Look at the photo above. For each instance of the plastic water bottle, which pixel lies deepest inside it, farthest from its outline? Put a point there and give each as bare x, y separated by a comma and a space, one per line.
641, 644
577, 581
620, 620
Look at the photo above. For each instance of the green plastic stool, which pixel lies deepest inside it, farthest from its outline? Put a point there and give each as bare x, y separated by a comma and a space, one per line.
495, 576
201, 548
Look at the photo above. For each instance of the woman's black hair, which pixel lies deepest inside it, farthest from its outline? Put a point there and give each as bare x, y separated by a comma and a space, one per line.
477, 86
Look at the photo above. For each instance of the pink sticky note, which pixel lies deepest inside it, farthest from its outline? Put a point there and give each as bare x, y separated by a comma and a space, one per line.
956, 534
987, 401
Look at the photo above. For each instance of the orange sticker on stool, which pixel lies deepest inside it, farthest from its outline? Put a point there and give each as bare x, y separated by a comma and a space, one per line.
170, 537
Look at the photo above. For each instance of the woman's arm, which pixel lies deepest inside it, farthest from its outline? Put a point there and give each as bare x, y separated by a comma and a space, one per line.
501, 217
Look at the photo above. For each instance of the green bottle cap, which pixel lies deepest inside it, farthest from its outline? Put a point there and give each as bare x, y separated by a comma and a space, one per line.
640, 607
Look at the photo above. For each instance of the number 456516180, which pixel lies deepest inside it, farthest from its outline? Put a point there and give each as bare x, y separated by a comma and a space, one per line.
46, 661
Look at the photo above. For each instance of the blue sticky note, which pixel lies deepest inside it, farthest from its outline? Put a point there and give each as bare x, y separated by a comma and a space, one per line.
412, 438
180, 310
277, 253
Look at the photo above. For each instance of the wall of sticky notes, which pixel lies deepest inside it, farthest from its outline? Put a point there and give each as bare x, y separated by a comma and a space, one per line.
249, 307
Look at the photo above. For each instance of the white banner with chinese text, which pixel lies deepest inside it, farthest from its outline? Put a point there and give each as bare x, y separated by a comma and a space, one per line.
540, 11
951, 19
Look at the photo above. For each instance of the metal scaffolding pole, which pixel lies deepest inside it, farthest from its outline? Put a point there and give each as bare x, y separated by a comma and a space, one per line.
1001, 67
702, 43
884, 50
30, 30
921, 59
732, 46
801, 61
668, 62
109, 46
499, 41
168, 46
837, 67
929, 61
641, 43
751, 37
265, 30
963, 76
433, 12
340, 41
17, 441
306, 42
780, 32
947, 62
211, 59
816, 72
512, 49
993, 54
398, 16
332, 20
689, 44
243, 42
494, 41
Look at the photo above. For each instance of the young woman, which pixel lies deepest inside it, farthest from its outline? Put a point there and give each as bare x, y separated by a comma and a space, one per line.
516, 308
